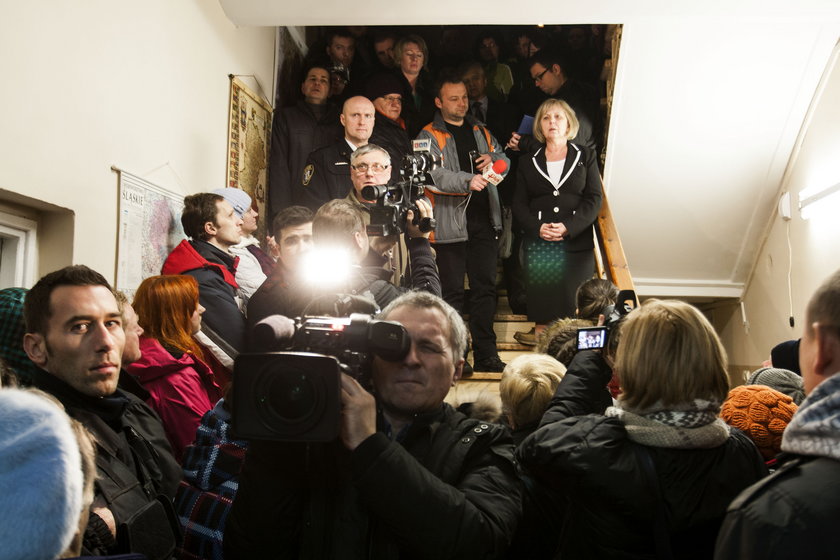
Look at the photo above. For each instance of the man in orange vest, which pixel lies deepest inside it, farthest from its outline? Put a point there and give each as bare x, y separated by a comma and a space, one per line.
468, 214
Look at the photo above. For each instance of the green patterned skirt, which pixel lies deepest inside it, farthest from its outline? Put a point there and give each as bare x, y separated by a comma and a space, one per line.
552, 278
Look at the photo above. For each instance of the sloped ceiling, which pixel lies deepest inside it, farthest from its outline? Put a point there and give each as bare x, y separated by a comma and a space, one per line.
709, 101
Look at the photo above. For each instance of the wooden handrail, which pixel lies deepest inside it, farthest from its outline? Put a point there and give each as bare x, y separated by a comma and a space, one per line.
610, 249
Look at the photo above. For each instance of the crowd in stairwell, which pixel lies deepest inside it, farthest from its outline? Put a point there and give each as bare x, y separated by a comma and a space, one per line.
203, 416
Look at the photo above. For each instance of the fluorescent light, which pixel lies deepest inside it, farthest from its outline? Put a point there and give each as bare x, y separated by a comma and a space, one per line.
826, 197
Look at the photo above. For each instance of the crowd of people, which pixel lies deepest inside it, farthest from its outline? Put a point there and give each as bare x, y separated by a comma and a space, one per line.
118, 417
518, 141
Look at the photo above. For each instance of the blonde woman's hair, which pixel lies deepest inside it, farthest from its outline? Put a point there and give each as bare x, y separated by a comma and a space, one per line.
669, 354
552, 103
528, 383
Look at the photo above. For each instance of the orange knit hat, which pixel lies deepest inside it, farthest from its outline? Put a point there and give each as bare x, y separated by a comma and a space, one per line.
760, 412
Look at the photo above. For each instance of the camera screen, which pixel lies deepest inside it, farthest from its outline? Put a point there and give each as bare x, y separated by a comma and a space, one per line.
591, 338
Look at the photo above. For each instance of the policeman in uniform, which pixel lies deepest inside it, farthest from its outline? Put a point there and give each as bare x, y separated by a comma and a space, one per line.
327, 172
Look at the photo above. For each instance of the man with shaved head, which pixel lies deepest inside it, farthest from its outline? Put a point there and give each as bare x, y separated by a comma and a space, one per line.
327, 172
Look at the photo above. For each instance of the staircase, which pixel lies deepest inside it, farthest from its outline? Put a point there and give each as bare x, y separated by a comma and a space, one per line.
610, 262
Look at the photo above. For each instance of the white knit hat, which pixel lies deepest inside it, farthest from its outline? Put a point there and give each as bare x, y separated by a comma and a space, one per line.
40, 477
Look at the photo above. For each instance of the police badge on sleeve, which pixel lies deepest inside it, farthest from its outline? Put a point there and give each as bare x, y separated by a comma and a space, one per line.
308, 172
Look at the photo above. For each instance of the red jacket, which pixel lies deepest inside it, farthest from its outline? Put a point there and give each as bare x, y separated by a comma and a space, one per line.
182, 390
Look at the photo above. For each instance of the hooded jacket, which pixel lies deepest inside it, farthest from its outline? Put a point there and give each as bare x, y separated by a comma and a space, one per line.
215, 271
182, 390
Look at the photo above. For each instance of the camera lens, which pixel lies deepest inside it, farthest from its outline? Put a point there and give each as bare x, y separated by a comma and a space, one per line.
291, 395
290, 399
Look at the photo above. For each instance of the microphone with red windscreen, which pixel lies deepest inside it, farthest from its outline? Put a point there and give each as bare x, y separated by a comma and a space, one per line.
493, 173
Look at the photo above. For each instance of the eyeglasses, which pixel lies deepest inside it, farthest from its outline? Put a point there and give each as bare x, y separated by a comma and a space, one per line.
393, 99
539, 76
376, 167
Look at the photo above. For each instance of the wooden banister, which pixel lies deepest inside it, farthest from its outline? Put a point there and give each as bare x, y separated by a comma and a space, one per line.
612, 261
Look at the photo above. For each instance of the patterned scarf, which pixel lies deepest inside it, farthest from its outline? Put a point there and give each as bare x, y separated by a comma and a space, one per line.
687, 426
815, 428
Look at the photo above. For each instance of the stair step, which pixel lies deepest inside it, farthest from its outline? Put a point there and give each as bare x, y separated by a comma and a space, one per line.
515, 346
511, 318
484, 376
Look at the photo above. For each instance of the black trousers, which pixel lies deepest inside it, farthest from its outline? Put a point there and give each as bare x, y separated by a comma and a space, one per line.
477, 258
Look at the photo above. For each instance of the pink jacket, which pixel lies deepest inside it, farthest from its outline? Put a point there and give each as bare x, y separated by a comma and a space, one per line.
182, 390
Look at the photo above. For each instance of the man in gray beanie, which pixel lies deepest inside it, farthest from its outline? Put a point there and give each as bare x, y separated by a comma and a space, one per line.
793, 513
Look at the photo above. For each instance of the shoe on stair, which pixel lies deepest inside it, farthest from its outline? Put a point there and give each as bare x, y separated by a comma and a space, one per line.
489, 365
527, 338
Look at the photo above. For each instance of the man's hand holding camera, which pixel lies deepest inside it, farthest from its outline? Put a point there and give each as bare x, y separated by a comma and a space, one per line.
358, 413
411, 229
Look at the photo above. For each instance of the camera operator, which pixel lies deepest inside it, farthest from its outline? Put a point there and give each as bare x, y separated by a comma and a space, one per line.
409, 475
371, 165
341, 223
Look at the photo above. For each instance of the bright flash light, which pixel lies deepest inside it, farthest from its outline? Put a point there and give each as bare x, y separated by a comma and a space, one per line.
326, 268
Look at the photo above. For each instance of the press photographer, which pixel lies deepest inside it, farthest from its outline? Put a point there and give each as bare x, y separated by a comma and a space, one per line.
338, 231
409, 477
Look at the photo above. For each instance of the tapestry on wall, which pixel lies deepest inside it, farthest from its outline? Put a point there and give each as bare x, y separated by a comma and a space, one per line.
249, 134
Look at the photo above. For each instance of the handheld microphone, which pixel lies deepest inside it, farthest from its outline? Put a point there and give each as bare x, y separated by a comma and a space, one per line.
493, 173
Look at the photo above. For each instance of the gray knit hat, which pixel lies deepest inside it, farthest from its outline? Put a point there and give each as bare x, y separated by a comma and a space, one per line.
782, 380
239, 199
41, 480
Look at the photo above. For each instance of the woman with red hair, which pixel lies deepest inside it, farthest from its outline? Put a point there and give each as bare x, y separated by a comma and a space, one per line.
172, 367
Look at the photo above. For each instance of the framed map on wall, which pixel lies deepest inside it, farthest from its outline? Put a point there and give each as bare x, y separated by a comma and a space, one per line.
149, 228
249, 135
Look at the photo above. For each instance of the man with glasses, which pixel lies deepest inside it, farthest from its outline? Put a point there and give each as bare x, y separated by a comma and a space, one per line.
547, 71
371, 165
327, 172
386, 92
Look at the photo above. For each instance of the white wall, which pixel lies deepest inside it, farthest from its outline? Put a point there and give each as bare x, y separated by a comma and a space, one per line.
815, 242
92, 84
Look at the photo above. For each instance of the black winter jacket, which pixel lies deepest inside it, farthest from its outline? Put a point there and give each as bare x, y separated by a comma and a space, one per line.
591, 461
447, 490
388, 134
136, 473
326, 175
792, 513
295, 133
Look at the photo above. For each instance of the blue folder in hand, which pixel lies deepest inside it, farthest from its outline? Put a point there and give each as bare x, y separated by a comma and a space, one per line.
526, 126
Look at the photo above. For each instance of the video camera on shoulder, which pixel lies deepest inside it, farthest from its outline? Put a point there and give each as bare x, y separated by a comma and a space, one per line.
295, 395
595, 338
388, 215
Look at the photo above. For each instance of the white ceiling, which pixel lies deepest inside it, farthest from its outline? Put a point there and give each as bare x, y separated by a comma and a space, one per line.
709, 100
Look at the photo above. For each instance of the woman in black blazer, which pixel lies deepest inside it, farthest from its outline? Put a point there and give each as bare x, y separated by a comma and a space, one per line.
556, 202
